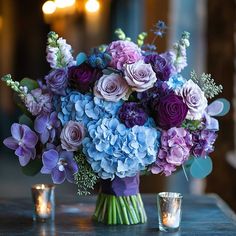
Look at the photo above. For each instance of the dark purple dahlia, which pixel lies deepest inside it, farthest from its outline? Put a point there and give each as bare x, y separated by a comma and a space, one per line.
159, 65
132, 113
169, 111
83, 77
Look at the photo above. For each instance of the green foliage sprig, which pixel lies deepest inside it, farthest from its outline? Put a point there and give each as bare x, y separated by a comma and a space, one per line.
85, 178
121, 35
15, 86
141, 38
207, 84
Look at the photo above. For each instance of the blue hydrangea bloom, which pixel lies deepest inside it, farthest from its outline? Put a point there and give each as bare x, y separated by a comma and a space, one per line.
112, 149
73, 107
85, 108
175, 82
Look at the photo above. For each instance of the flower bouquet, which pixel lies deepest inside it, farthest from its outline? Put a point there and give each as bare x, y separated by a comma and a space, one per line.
117, 112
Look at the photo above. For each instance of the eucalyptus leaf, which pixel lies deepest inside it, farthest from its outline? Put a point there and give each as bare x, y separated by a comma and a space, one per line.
201, 167
32, 168
219, 107
29, 83
81, 58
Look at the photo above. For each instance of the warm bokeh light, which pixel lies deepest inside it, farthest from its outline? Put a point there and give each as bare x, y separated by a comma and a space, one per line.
64, 3
92, 5
49, 7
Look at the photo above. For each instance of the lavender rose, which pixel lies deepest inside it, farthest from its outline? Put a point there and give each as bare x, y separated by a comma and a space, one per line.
169, 111
57, 81
194, 98
72, 135
159, 65
83, 76
139, 76
123, 52
111, 88
132, 113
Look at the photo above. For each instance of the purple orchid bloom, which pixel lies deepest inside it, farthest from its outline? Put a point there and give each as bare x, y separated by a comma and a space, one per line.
47, 125
23, 141
60, 164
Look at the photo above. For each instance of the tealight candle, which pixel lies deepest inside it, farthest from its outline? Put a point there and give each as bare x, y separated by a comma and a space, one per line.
169, 211
44, 203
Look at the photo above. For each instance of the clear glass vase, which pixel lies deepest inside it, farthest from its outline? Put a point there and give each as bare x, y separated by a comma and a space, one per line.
119, 202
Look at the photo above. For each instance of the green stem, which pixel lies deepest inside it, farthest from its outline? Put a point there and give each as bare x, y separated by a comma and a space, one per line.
103, 215
99, 203
133, 212
133, 199
114, 210
124, 211
130, 213
109, 210
141, 209
118, 209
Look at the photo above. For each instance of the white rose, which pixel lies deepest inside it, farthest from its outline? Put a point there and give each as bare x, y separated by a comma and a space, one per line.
194, 98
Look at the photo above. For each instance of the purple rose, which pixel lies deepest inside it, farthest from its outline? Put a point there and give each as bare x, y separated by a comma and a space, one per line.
159, 65
132, 113
57, 81
123, 52
23, 141
111, 88
72, 136
83, 76
169, 111
139, 76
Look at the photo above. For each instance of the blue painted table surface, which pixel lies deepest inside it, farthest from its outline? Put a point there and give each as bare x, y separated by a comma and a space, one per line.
202, 215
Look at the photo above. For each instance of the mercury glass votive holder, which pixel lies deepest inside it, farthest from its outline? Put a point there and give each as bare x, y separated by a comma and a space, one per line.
43, 202
169, 211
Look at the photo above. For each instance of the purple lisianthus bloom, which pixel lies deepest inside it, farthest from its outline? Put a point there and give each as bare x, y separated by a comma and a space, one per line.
23, 141
132, 113
159, 65
37, 101
174, 151
47, 125
169, 111
83, 76
203, 142
57, 81
60, 164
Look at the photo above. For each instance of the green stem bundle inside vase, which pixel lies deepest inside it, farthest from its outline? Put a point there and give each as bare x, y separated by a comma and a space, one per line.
127, 210
117, 205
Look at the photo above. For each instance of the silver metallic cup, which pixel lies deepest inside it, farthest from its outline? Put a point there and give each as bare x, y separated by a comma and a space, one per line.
44, 202
169, 211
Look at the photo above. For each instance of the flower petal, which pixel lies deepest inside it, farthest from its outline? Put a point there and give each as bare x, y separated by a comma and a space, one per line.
11, 143
40, 123
44, 137
24, 160
58, 176
16, 131
30, 139
71, 169
50, 159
